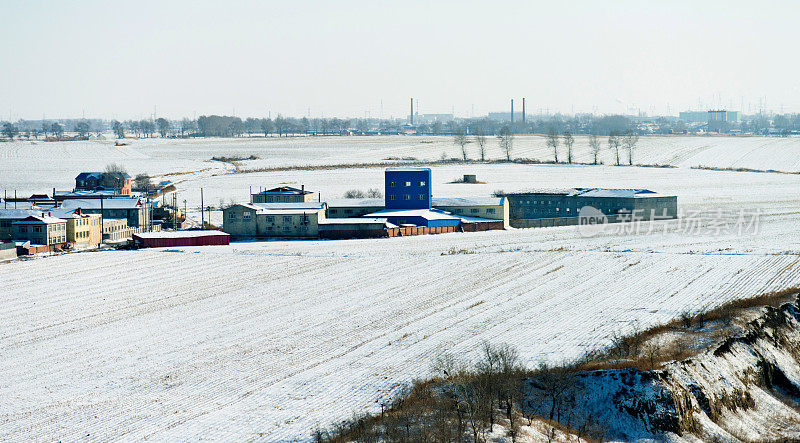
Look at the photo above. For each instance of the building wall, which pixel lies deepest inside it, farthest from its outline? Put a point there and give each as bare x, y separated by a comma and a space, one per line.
408, 189
84, 230
41, 233
240, 220
6, 231
282, 198
351, 211
243, 221
495, 212
538, 206
8, 251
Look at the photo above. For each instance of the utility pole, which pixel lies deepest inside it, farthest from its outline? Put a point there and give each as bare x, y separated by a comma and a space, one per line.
202, 211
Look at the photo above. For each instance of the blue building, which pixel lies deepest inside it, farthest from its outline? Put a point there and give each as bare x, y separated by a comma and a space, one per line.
408, 199
408, 188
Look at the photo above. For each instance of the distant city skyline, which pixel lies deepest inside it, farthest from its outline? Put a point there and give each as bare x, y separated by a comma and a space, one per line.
125, 60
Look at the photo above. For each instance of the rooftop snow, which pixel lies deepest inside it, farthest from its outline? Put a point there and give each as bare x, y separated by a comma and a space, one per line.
179, 234
107, 203
431, 214
353, 221
467, 201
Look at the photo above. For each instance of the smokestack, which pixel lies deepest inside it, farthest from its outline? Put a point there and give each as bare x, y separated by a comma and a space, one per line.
523, 109
411, 116
512, 110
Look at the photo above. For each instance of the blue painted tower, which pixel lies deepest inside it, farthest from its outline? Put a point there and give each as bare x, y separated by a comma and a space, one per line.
408, 188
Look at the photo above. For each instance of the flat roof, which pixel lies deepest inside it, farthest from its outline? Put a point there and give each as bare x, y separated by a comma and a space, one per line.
108, 203
353, 221
427, 214
436, 201
180, 234
467, 201
356, 202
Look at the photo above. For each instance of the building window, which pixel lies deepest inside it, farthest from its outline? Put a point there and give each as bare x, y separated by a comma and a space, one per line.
348, 211
231, 216
246, 215
490, 211
391, 184
458, 211
270, 219
286, 229
334, 211
391, 197
474, 210
422, 196
408, 184
406, 197
287, 219
421, 184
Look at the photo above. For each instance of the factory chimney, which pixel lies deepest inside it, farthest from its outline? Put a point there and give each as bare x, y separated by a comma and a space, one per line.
512, 110
523, 109
411, 116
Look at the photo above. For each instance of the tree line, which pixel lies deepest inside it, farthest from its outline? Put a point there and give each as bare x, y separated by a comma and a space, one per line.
230, 126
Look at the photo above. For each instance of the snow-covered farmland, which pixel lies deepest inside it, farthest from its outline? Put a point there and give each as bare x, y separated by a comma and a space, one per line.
38, 166
269, 339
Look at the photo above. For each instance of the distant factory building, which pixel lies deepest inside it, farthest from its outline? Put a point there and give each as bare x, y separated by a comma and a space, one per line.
283, 194
432, 118
532, 209
274, 219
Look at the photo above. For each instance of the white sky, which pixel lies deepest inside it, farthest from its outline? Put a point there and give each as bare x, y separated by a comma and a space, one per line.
120, 59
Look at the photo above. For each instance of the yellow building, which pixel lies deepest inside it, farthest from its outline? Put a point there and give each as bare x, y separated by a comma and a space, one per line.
83, 229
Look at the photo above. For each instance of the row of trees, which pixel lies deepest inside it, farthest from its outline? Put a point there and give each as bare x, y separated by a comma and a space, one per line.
616, 142
53, 129
227, 126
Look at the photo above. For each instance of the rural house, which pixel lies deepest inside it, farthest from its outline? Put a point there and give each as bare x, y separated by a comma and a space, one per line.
97, 181
42, 229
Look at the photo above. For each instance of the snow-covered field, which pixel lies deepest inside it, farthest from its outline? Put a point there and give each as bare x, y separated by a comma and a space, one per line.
39, 166
270, 339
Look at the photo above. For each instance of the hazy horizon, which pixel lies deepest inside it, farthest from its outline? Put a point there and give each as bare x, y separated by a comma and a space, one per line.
358, 59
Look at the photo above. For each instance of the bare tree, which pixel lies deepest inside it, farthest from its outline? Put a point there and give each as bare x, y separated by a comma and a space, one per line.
480, 138
460, 138
82, 128
594, 146
9, 130
613, 145
118, 128
506, 139
552, 142
163, 126
630, 140
143, 182
568, 142
114, 176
